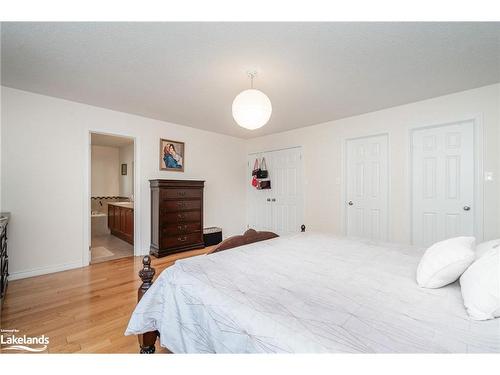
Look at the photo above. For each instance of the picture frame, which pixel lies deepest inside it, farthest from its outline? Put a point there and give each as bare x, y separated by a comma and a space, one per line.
124, 169
172, 155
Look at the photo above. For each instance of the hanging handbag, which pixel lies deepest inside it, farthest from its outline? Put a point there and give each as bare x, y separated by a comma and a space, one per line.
264, 184
255, 182
262, 171
255, 167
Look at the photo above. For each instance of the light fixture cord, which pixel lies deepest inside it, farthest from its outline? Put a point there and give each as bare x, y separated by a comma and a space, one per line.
252, 76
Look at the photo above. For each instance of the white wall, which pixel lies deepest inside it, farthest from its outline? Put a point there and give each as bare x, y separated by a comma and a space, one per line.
105, 171
45, 148
322, 151
127, 181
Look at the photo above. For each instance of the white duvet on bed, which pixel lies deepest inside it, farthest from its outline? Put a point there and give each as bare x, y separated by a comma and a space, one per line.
308, 293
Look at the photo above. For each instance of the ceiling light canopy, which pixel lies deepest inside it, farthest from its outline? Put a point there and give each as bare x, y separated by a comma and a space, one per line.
252, 108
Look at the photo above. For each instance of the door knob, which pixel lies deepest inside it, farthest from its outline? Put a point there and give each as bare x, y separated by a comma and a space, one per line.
274, 199
269, 199
350, 203
466, 208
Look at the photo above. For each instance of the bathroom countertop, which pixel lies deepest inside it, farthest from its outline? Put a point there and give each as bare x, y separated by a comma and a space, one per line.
122, 204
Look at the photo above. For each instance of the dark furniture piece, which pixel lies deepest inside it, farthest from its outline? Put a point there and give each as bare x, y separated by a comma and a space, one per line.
4, 257
121, 222
147, 340
176, 216
212, 236
250, 236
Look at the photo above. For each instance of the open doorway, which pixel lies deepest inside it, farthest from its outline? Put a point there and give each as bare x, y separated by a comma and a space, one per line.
111, 197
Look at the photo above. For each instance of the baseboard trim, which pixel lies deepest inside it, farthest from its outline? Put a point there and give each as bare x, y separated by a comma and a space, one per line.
43, 270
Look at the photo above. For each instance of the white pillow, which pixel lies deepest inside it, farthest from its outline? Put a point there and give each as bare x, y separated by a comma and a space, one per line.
484, 247
445, 261
481, 286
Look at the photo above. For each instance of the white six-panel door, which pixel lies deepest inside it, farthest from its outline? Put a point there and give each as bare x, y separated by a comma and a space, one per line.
442, 182
259, 211
286, 192
367, 187
279, 209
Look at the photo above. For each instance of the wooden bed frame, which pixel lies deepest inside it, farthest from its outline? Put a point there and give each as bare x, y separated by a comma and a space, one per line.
147, 340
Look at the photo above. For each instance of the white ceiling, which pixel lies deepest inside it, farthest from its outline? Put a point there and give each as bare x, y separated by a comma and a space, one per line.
109, 140
189, 73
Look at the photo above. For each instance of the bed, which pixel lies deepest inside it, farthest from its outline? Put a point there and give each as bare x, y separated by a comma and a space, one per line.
304, 293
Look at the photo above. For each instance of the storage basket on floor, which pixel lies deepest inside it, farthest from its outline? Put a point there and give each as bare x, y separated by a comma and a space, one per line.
212, 236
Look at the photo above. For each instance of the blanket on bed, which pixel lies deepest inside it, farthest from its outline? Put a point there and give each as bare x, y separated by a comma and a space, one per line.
308, 293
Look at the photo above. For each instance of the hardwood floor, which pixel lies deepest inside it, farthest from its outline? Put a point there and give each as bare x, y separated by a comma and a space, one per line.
85, 310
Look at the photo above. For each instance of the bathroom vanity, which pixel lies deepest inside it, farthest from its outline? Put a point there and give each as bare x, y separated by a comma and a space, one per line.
121, 220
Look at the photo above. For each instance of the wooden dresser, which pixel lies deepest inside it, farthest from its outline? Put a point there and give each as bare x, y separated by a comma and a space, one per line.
176, 216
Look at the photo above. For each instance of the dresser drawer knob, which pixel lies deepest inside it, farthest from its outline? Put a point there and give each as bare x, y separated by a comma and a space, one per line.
181, 216
182, 239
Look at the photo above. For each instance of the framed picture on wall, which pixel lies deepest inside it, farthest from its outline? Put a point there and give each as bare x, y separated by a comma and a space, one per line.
171, 155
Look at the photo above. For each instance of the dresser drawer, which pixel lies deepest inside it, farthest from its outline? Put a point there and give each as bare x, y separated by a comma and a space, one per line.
181, 194
179, 217
185, 205
181, 228
182, 240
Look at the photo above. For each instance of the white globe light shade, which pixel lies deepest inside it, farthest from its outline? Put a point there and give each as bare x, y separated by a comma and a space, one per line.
252, 109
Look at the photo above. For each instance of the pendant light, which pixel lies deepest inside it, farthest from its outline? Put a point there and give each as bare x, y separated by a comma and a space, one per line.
252, 108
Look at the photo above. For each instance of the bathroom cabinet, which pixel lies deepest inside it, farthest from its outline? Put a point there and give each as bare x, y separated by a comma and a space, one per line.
121, 221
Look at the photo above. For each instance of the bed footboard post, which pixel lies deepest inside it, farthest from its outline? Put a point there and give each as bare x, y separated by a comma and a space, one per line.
146, 340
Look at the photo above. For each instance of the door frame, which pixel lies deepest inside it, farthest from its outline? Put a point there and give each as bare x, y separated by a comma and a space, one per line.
343, 174
301, 165
478, 201
87, 191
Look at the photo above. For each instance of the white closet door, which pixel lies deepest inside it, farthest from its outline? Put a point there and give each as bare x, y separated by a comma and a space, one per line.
442, 183
279, 209
259, 210
286, 190
367, 187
